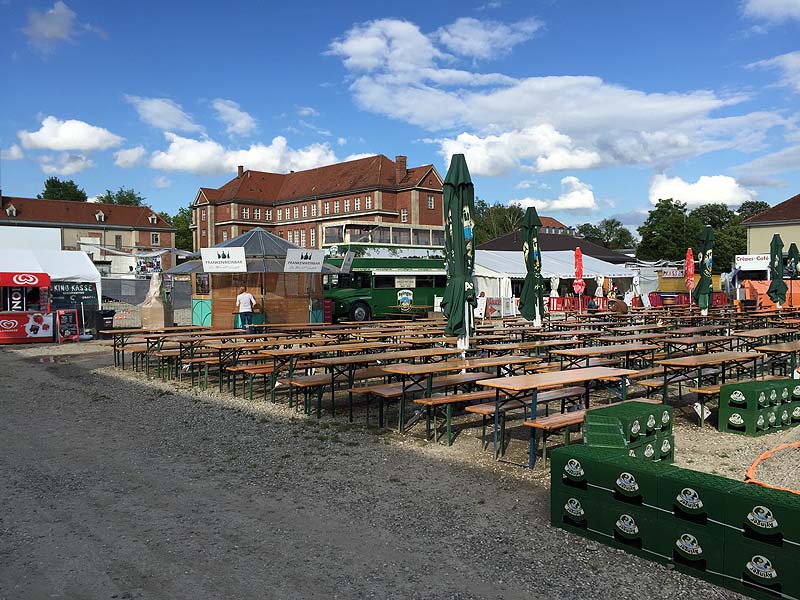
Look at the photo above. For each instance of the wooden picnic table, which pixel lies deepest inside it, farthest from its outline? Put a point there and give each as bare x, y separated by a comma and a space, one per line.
121, 337
699, 329
754, 337
547, 345
421, 375
679, 369
574, 356
639, 328
512, 388
638, 337
709, 343
783, 349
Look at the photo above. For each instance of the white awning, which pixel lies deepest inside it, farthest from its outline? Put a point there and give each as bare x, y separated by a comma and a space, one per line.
558, 263
60, 265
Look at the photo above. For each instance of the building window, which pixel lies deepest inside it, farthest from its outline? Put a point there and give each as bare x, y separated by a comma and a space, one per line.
347, 205
245, 212
280, 214
257, 214
203, 232
203, 214
153, 219
118, 242
381, 235
100, 216
268, 214
297, 236
357, 204
430, 202
422, 237
327, 208
312, 235
225, 236
401, 235
154, 237
368, 202
296, 212
303, 238
404, 215
333, 235
437, 237
336, 206
305, 211
314, 210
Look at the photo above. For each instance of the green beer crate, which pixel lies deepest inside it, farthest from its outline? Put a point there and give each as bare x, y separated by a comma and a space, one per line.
744, 396
744, 422
784, 416
604, 440
658, 447
630, 415
794, 410
795, 390
632, 480
759, 569
697, 550
577, 466
635, 529
765, 514
693, 496
580, 512
783, 389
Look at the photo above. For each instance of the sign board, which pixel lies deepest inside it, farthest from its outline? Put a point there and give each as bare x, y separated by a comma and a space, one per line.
405, 282
751, 262
26, 327
672, 273
224, 260
301, 260
67, 325
347, 262
70, 293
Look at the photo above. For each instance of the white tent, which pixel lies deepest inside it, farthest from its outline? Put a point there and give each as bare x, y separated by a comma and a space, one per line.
492, 266
60, 265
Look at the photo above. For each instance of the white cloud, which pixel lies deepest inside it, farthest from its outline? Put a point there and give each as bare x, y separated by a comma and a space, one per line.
716, 189
789, 66
775, 11
341, 141
46, 30
486, 39
163, 113
237, 121
781, 161
14, 152
307, 111
208, 157
541, 148
129, 157
65, 164
576, 195
161, 182
315, 129
358, 156
399, 72
71, 134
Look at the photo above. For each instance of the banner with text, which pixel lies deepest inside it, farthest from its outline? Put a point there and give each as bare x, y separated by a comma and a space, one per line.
224, 260
300, 260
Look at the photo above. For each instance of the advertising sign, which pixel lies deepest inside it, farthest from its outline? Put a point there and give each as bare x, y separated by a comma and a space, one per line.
672, 273
751, 262
224, 260
70, 293
16, 300
67, 325
24, 280
300, 260
26, 327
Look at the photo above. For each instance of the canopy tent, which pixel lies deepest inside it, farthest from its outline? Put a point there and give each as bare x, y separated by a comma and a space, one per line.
58, 265
559, 263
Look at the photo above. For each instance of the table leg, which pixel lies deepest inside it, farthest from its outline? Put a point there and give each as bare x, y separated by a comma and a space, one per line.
496, 421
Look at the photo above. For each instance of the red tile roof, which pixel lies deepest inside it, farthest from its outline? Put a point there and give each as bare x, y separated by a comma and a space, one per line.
788, 210
362, 174
551, 222
79, 213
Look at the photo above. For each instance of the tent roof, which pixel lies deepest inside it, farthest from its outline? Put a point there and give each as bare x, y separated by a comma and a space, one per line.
60, 265
259, 242
559, 263
254, 265
552, 242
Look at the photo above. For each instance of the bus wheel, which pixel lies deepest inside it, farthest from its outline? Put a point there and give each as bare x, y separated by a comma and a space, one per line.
360, 312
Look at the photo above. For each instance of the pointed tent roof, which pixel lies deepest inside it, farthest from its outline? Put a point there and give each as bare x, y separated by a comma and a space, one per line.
259, 243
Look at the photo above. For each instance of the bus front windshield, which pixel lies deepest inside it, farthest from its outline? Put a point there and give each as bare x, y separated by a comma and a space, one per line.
341, 281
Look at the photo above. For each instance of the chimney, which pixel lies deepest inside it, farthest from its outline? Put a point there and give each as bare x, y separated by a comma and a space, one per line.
400, 170
241, 170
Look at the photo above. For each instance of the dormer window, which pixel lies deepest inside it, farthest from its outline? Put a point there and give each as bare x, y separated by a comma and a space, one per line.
153, 219
100, 216
11, 210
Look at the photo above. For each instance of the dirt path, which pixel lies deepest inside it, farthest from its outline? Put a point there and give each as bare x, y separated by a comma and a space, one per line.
113, 487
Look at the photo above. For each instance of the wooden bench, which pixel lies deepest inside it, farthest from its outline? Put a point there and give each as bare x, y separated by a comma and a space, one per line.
319, 381
394, 391
487, 409
433, 406
658, 382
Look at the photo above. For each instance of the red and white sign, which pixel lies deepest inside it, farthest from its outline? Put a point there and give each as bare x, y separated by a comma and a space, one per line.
23, 327
24, 280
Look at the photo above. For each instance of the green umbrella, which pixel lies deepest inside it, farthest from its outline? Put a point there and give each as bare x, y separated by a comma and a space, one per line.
702, 293
777, 286
459, 244
793, 265
531, 300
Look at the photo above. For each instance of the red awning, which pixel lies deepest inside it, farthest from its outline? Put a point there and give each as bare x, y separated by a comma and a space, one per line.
24, 280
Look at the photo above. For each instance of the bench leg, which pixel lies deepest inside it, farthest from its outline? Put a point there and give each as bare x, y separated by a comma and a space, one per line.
320, 393
449, 425
502, 435
428, 424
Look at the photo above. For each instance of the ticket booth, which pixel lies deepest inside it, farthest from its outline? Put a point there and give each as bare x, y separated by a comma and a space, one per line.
25, 315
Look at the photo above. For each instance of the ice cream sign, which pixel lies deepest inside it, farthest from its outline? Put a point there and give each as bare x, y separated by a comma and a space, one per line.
26, 326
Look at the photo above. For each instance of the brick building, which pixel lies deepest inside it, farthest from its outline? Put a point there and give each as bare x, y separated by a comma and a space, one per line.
371, 200
94, 227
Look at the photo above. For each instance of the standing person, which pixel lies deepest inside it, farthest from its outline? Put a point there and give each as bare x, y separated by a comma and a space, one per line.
246, 303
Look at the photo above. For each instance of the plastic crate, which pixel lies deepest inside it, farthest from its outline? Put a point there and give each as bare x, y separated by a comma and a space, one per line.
577, 466
694, 496
765, 514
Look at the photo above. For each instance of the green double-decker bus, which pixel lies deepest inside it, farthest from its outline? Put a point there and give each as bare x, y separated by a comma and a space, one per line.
385, 287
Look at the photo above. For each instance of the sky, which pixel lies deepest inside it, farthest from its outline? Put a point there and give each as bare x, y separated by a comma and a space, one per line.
586, 109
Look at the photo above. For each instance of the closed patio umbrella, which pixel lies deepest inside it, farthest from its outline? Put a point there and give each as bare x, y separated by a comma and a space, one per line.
579, 285
792, 265
459, 295
531, 301
777, 286
702, 292
688, 272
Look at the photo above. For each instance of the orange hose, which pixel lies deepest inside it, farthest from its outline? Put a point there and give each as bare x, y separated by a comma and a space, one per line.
750, 474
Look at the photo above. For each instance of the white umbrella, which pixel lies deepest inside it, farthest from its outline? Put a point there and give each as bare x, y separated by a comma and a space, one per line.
554, 281
599, 280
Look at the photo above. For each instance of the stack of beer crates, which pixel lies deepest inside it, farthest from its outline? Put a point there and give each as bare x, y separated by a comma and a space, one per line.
641, 428
739, 535
758, 407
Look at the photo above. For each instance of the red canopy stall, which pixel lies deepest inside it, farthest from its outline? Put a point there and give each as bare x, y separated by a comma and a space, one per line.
25, 307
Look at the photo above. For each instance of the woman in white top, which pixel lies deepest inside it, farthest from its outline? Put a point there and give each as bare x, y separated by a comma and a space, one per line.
246, 303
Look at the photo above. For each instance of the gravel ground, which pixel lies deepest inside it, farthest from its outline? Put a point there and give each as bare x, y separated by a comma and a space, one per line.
116, 487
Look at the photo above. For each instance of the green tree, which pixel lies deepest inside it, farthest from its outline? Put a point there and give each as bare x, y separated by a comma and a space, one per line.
716, 215
494, 220
667, 232
182, 222
751, 208
123, 197
591, 233
55, 189
609, 233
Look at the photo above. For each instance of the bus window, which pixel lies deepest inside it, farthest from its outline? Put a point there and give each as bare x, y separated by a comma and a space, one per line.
425, 281
440, 281
384, 281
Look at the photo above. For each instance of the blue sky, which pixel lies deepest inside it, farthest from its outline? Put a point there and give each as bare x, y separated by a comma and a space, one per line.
586, 109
